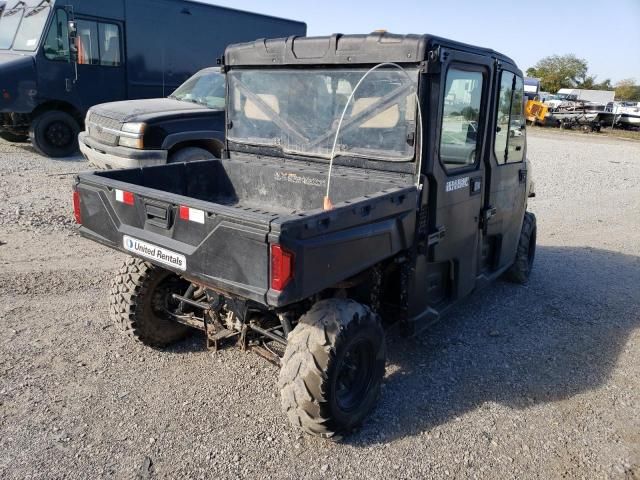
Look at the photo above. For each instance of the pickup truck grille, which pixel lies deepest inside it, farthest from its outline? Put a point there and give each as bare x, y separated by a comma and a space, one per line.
96, 128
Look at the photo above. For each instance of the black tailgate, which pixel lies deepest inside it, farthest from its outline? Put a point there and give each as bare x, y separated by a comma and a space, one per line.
223, 247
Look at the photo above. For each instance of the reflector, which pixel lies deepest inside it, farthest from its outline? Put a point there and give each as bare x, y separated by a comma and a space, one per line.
76, 207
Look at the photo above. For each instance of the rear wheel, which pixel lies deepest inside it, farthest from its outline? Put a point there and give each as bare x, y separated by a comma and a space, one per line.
521, 268
140, 298
332, 368
190, 154
55, 134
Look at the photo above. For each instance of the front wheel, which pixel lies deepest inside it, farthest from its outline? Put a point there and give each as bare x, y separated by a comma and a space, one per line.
332, 368
55, 134
190, 154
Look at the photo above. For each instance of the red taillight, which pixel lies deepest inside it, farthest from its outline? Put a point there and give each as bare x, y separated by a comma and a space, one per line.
281, 267
76, 206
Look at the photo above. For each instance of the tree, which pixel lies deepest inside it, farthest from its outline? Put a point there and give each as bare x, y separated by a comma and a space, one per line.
627, 90
560, 71
589, 82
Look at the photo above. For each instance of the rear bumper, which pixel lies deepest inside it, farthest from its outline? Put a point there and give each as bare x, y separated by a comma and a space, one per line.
111, 158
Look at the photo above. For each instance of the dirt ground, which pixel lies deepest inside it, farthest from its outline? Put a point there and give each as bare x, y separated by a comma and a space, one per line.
541, 381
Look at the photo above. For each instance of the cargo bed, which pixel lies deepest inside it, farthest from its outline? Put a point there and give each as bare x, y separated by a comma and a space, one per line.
221, 216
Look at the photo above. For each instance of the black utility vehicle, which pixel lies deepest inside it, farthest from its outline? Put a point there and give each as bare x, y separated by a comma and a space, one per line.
187, 126
251, 249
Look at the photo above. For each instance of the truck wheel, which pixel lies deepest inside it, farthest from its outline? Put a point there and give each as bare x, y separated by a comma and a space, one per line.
521, 268
138, 299
55, 134
190, 154
332, 368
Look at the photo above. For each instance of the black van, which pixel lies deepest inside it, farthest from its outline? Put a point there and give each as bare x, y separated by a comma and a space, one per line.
58, 58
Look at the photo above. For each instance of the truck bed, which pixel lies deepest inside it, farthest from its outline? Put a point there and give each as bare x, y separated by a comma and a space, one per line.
248, 203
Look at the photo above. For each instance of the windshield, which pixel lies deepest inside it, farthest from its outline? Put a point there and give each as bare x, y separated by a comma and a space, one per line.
205, 87
299, 111
21, 24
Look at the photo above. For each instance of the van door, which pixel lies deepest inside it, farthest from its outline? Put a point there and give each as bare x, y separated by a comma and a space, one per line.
505, 200
458, 166
101, 68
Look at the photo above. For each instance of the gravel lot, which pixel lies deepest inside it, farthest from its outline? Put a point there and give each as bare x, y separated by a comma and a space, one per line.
519, 382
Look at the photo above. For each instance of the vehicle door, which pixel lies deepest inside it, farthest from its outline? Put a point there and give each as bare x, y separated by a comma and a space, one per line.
458, 166
505, 199
101, 66
56, 72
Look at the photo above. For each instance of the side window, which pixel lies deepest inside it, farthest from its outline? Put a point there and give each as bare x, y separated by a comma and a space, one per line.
109, 44
517, 125
98, 44
510, 124
87, 43
56, 45
459, 136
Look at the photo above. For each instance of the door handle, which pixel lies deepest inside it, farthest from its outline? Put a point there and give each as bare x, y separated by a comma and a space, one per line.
522, 175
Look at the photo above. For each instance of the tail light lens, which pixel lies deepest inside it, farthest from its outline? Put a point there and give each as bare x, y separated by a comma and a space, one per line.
281, 267
76, 207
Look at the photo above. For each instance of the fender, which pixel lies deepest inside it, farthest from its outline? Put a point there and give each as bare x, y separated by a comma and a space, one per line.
176, 138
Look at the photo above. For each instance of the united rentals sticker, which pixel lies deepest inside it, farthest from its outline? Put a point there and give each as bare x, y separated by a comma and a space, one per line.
155, 253
457, 184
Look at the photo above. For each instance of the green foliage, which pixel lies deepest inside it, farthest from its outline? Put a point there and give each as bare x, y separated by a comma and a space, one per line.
559, 71
589, 83
627, 90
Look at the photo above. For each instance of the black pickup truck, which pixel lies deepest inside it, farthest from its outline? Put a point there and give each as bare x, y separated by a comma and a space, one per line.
367, 180
186, 126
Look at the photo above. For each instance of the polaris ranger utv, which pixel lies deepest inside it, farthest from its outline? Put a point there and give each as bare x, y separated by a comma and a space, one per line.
367, 181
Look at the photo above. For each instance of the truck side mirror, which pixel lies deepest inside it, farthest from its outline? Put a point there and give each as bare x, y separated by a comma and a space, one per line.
73, 38
73, 29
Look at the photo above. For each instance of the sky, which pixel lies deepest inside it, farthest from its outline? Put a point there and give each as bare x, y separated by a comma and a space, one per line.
605, 33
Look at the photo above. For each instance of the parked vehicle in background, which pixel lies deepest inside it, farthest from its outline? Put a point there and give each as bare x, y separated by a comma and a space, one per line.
531, 88
186, 126
565, 96
344, 201
60, 57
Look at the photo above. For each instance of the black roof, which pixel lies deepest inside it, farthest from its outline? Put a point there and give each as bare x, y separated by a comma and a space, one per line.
368, 49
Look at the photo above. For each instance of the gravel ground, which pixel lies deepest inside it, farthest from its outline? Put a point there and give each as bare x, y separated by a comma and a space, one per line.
519, 382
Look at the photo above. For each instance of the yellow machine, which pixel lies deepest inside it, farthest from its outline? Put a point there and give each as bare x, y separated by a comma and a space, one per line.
535, 111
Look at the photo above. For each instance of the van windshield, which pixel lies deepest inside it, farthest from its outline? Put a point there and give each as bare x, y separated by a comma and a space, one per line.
299, 111
22, 23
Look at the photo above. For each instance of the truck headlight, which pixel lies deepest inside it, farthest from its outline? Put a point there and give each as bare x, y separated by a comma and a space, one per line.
131, 135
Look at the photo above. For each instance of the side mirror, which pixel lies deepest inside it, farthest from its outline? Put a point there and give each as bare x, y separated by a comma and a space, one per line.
73, 38
73, 29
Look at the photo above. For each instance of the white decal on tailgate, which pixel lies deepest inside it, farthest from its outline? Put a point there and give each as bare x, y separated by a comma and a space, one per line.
153, 252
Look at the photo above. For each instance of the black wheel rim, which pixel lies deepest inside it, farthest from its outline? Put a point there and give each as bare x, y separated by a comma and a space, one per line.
354, 375
59, 134
162, 301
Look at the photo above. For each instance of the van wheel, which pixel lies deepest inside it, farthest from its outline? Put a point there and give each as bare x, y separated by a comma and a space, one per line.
332, 368
190, 154
55, 134
139, 299
521, 268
